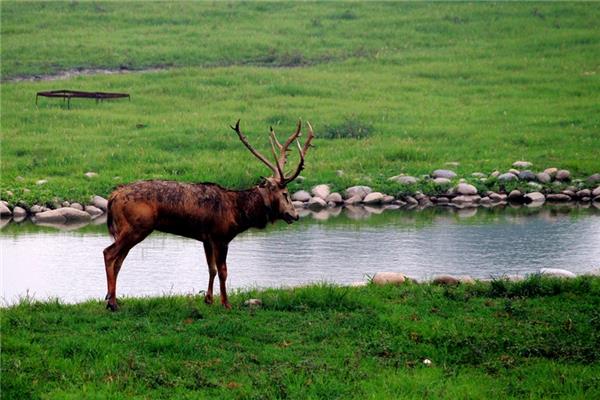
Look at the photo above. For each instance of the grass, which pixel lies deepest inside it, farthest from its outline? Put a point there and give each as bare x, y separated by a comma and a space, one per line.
482, 84
533, 339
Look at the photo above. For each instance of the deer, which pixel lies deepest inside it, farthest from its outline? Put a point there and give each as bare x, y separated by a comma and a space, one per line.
203, 211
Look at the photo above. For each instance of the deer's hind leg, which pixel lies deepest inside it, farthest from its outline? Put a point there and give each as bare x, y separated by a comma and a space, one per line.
221, 258
212, 270
114, 255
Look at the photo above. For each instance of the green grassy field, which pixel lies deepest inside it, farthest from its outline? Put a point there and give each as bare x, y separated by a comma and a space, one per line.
535, 339
481, 84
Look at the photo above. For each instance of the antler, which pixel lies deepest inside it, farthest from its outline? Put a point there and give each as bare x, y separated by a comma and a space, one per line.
280, 161
256, 153
302, 150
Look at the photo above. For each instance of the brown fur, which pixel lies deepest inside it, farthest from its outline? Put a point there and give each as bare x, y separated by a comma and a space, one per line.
204, 211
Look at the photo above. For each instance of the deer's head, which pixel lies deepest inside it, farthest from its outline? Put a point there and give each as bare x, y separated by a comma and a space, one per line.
274, 189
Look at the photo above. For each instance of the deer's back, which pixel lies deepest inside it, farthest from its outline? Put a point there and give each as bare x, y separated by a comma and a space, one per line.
192, 210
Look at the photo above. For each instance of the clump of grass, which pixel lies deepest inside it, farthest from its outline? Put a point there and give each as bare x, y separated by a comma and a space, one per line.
350, 128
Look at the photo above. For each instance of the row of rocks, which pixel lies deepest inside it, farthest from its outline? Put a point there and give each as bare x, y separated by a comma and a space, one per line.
62, 213
445, 176
397, 278
462, 195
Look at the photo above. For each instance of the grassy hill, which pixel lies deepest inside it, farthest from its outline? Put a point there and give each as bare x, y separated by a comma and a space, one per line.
535, 339
423, 84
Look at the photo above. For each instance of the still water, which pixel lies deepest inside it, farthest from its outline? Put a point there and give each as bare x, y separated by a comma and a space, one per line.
342, 247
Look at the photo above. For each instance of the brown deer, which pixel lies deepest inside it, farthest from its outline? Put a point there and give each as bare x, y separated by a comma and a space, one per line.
203, 211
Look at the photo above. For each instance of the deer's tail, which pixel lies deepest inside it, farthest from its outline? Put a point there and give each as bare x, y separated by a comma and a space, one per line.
110, 222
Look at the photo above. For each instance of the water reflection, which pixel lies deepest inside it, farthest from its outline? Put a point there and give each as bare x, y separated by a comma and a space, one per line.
330, 245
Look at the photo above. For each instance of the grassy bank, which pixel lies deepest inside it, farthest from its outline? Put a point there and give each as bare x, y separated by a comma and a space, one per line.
424, 84
534, 339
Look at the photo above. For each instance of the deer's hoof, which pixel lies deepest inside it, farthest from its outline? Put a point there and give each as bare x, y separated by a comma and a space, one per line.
208, 300
227, 306
111, 307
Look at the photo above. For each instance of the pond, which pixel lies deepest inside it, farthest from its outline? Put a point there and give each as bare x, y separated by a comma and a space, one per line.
339, 247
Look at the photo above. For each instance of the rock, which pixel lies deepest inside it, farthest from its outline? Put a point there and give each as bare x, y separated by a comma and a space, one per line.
316, 203
353, 200
586, 199
65, 204
478, 175
36, 208
466, 279
495, 174
298, 204
466, 199
596, 192
321, 191
443, 173
569, 193
63, 215
558, 197
543, 177
442, 200
534, 197
301, 195
339, 172
592, 179
535, 186
513, 278
445, 280
527, 175
485, 200
551, 171
557, 272
9, 193
584, 193
19, 212
334, 198
253, 303
41, 182
522, 164
76, 206
20, 178
411, 201
442, 181
387, 278
465, 188
93, 211
515, 195
452, 163
360, 191
4, 210
563, 175
373, 198
404, 179
497, 197
387, 199
90, 174
100, 202
507, 177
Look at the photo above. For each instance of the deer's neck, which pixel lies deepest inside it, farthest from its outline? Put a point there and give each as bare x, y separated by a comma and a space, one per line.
253, 210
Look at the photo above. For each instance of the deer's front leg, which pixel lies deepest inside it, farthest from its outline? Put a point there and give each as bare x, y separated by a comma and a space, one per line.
221, 258
212, 270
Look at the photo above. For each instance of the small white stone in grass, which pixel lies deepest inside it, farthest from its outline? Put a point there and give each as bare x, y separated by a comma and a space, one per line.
427, 361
